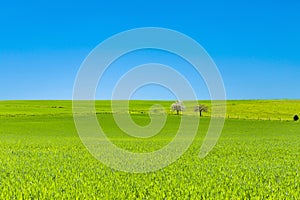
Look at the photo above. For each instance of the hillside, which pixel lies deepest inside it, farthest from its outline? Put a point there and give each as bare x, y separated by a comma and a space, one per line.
239, 109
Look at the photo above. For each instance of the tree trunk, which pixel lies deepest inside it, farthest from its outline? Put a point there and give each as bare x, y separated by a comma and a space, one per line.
200, 113
177, 112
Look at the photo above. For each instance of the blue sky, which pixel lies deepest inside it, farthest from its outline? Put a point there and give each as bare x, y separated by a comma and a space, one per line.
255, 44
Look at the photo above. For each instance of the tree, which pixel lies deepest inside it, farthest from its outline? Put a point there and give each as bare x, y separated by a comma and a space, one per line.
296, 118
178, 106
200, 109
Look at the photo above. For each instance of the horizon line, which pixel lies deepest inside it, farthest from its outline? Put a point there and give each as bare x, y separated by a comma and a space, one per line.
149, 99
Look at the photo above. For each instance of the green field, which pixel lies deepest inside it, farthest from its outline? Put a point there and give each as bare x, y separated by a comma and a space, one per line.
257, 155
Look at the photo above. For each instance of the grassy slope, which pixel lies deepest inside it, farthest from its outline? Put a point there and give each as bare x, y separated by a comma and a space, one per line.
264, 109
42, 157
244, 109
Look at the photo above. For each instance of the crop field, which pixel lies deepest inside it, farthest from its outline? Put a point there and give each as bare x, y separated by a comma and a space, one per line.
256, 157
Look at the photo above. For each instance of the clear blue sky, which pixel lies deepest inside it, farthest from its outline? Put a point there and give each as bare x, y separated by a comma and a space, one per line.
255, 44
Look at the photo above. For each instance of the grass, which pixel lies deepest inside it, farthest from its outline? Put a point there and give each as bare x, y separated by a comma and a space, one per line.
239, 109
42, 157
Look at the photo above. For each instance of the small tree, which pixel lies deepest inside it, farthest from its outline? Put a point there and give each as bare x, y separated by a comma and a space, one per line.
178, 106
200, 109
296, 118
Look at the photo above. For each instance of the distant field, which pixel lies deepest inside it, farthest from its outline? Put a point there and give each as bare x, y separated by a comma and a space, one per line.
239, 109
42, 157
